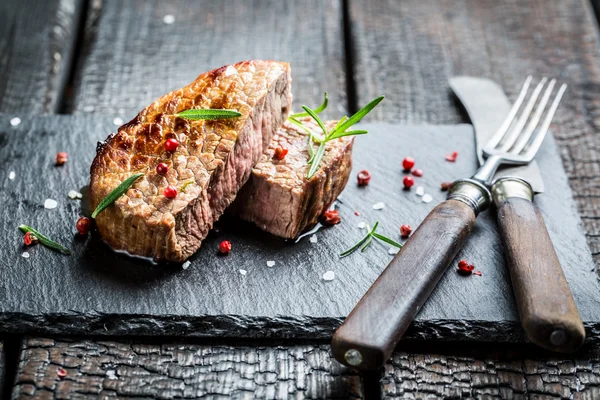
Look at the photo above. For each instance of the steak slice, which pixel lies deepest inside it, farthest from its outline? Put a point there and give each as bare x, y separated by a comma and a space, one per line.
278, 198
212, 162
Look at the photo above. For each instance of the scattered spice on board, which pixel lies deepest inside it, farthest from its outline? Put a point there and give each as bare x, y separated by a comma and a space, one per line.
270, 264
74, 195
313, 239
427, 198
225, 247
61, 158
452, 157
25, 254
11, 175
328, 276
408, 182
30, 239
50, 204
83, 225
417, 172
61, 372
408, 163
405, 230
363, 177
420, 191
186, 265
243, 271
15, 121
379, 206
117, 121
464, 268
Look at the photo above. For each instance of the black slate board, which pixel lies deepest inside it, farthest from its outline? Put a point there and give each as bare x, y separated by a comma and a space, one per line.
96, 291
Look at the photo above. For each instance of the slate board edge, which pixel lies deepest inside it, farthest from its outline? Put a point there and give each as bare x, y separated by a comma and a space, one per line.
257, 327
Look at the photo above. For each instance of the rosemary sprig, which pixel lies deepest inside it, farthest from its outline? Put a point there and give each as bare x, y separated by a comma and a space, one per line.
208, 113
45, 240
317, 110
185, 184
367, 239
340, 130
115, 194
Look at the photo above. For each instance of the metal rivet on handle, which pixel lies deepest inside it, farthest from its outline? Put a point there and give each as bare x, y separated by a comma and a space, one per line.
353, 357
558, 337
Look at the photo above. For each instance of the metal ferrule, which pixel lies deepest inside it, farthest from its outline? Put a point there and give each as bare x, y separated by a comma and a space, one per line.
511, 186
472, 193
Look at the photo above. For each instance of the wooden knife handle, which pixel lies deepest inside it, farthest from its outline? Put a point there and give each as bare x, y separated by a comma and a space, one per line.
369, 334
546, 307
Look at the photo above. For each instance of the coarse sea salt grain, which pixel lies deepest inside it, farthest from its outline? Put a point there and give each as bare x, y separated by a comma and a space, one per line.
362, 224
378, 206
117, 121
243, 271
15, 121
328, 276
74, 194
11, 175
168, 19
110, 374
420, 191
427, 198
185, 265
270, 264
50, 204
25, 254
393, 250
313, 239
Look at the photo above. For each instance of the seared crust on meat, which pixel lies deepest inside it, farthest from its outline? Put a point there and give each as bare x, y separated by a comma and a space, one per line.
213, 160
278, 198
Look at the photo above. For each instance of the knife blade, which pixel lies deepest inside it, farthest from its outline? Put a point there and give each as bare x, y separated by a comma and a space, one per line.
546, 307
487, 107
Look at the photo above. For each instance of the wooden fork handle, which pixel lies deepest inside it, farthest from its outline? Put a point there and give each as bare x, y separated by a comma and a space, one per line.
369, 334
546, 307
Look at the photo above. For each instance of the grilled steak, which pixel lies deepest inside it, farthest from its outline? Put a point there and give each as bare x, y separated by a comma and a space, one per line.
213, 160
278, 198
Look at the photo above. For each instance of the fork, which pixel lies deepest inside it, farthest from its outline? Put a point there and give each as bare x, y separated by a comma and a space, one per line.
547, 311
371, 331
519, 146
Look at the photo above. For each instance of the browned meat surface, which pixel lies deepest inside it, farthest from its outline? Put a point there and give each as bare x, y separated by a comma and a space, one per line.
214, 159
278, 198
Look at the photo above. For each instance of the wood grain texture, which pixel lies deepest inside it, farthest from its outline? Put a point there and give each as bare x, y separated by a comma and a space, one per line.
483, 372
131, 56
385, 312
37, 40
408, 50
547, 310
109, 369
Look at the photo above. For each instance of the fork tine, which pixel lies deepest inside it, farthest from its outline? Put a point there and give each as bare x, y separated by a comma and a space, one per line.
541, 134
525, 136
518, 128
494, 140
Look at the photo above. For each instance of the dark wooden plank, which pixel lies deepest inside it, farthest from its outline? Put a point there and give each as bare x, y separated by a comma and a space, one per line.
112, 294
108, 369
409, 49
131, 56
2, 367
37, 40
492, 373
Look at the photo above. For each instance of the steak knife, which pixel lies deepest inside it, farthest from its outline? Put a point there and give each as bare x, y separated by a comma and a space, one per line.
546, 307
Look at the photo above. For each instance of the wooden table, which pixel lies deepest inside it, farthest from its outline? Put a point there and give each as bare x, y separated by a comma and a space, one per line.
113, 57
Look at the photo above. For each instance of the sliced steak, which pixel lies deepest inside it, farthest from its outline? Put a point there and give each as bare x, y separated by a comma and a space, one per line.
213, 160
278, 198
